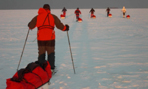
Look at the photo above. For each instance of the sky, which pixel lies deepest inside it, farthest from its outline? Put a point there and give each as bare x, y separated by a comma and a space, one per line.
72, 4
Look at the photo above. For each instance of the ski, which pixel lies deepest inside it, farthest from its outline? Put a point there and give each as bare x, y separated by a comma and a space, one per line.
54, 71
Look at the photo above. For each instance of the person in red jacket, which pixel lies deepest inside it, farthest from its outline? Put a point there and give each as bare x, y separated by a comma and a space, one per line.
77, 12
64, 11
45, 23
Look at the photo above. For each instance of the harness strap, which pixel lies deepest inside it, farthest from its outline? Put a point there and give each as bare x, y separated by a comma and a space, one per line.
46, 26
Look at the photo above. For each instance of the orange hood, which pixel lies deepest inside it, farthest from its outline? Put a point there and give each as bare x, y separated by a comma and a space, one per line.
42, 10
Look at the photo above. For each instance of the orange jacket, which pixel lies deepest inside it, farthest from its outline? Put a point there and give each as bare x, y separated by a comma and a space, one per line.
45, 22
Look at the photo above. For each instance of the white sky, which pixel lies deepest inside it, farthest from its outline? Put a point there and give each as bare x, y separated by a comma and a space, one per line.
58, 4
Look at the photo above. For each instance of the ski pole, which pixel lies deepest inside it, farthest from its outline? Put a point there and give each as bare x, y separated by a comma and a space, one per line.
23, 49
71, 52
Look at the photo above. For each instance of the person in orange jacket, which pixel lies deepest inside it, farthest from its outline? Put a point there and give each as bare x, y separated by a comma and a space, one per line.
64, 11
45, 23
77, 13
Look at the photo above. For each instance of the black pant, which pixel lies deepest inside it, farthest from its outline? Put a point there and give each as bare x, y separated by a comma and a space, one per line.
123, 13
49, 47
107, 14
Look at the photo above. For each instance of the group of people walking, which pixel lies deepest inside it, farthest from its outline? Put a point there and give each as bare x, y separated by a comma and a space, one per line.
123, 10
45, 22
77, 12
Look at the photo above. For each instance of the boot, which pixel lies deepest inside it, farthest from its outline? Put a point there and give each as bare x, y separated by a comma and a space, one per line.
51, 59
41, 59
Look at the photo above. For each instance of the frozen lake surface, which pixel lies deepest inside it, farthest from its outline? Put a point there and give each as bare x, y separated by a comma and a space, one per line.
108, 53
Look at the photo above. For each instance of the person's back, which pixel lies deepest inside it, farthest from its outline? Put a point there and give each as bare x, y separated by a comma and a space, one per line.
124, 11
46, 22
64, 9
77, 11
108, 11
92, 11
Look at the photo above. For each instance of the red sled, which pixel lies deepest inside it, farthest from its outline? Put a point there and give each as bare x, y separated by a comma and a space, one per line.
62, 16
79, 20
34, 76
128, 16
93, 16
110, 15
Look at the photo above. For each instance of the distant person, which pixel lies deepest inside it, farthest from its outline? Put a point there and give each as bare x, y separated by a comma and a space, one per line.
92, 12
77, 13
124, 11
108, 11
45, 23
64, 11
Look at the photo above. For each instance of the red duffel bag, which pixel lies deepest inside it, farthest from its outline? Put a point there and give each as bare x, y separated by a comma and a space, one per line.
32, 77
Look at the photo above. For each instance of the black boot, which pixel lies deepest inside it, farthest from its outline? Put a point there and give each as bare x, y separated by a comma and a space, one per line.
41, 59
51, 59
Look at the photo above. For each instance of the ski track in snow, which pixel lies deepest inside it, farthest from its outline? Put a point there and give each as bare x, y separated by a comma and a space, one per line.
108, 53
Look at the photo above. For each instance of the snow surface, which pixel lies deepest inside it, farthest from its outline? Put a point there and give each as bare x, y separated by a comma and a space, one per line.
108, 53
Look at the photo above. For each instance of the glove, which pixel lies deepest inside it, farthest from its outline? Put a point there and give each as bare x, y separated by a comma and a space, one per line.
67, 27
